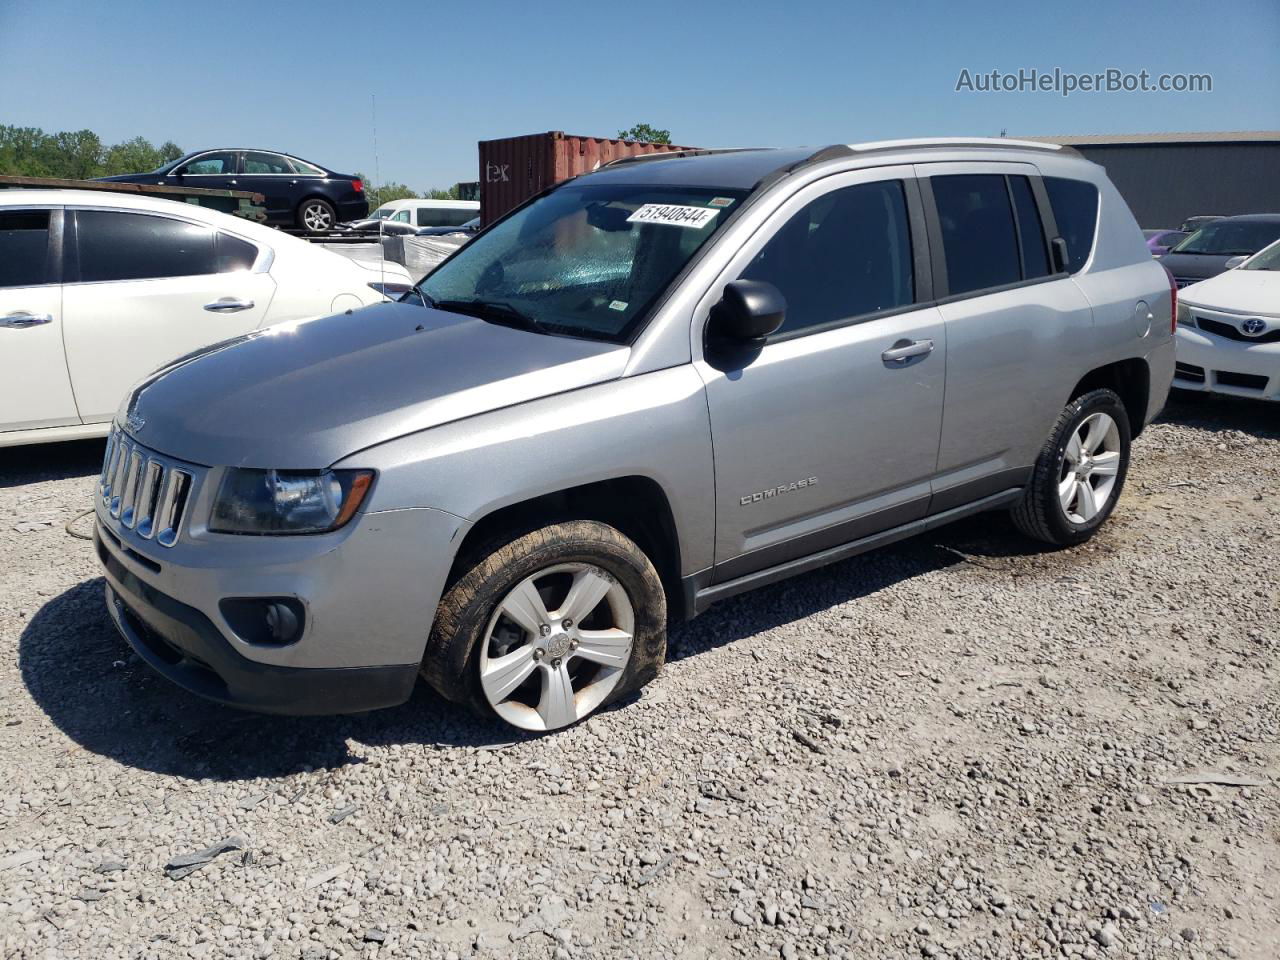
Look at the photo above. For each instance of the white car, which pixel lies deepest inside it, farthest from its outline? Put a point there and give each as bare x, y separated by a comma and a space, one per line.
1229, 330
98, 289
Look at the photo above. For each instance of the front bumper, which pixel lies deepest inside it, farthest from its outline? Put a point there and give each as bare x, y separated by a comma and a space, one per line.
1215, 364
184, 646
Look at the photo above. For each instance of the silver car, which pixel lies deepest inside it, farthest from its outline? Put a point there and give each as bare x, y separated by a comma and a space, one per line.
646, 390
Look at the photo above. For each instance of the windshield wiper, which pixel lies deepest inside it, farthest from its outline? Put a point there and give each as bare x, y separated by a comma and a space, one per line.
426, 301
495, 311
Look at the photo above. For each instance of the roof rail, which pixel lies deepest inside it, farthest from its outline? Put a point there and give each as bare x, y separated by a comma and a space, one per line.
668, 154
955, 142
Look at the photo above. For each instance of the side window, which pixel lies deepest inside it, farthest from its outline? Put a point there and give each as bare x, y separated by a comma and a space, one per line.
401, 217
1035, 256
210, 163
265, 163
137, 246
845, 254
1075, 208
24, 248
235, 254
461, 216
978, 239
301, 166
424, 217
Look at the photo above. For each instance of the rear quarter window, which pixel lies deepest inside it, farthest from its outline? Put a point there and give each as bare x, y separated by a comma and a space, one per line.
24, 248
1075, 208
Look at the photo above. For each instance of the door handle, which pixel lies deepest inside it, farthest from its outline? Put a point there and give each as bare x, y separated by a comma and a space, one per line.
904, 351
229, 305
21, 321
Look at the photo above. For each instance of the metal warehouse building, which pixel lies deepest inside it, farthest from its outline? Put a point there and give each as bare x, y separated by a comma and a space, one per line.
1167, 177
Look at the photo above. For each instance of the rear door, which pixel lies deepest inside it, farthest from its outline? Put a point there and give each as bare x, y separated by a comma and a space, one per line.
828, 435
273, 176
35, 390
1012, 324
148, 290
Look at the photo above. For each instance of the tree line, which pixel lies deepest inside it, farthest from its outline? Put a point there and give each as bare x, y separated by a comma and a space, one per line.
77, 154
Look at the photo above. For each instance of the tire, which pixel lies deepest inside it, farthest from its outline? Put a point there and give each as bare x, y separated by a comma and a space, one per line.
1051, 508
475, 637
316, 215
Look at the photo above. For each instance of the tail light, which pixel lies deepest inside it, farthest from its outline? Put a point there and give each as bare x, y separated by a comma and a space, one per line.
357, 186
1173, 301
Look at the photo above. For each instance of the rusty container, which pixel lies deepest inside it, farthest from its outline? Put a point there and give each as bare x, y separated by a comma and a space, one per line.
513, 169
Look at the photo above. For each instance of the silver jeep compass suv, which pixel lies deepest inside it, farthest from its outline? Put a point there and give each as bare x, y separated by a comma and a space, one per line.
645, 390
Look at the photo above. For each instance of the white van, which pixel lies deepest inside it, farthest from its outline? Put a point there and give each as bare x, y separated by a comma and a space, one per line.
428, 213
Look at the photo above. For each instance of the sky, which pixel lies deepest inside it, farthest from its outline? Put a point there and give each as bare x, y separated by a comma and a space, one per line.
310, 78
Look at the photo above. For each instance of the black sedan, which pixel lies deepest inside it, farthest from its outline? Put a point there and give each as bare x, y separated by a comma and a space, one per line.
1209, 251
298, 193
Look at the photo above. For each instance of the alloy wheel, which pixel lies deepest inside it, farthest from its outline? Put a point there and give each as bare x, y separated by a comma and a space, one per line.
316, 217
1090, 466
556, 646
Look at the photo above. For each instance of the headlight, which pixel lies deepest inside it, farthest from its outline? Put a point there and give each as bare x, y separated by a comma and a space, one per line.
1184, 316
281, 501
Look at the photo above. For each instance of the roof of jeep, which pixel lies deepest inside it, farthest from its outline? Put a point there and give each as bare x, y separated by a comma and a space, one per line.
745, 168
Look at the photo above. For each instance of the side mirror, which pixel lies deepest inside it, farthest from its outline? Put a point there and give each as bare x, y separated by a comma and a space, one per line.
1061, 259
1235, 262
748, 312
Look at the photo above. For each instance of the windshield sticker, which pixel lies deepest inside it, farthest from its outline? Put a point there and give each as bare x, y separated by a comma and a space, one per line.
618, 305
721, 202
673, 215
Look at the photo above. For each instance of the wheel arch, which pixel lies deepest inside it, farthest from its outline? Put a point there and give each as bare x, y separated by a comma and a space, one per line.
636, 505
1130, 379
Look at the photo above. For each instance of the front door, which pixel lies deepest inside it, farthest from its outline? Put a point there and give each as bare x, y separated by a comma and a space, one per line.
151, 289
830, 433
215, 170
35, 390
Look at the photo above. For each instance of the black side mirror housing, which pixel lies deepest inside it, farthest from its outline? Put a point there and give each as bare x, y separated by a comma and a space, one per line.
748, 312
1061, 259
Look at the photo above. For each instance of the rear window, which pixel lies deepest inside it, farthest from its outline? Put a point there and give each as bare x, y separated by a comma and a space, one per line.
979, 241
136, 246
1075, 208
24, 248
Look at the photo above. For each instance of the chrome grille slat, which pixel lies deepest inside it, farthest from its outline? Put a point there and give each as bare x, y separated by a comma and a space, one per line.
144, 491
132, 479
148, 497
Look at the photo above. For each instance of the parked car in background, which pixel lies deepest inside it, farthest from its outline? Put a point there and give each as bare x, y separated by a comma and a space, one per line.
98, 289
406, 217
651, 388
1159, 241
1210, 250
1229, 330
471, 226
1192, 224
297, 193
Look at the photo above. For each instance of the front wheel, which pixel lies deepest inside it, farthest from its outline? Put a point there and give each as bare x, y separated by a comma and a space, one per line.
548, 627
1080, 472
316, 215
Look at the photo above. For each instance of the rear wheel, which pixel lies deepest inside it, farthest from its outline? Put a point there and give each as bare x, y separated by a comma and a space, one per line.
316, 215
1080, 472
548, 627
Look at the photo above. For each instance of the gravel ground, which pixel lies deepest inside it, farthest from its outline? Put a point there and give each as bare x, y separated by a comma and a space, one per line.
955, 747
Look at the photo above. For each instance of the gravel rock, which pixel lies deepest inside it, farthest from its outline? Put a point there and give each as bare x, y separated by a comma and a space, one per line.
984, 732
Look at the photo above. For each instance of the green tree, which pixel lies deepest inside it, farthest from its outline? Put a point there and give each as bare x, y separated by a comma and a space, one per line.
378, 195
132, 156
75, 154
437, 194
645, 134
170, 151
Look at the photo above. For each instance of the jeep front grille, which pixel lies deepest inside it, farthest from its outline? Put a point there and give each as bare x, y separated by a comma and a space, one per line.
146, 492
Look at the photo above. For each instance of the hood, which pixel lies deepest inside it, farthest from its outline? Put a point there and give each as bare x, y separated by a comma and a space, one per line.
1194, 266
304, 395
1237, 291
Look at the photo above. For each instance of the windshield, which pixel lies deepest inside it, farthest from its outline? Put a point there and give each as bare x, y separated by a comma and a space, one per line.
1268, 259
584, 260
1230, 238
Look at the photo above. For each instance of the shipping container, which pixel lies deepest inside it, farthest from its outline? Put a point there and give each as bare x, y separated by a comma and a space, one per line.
515, 168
